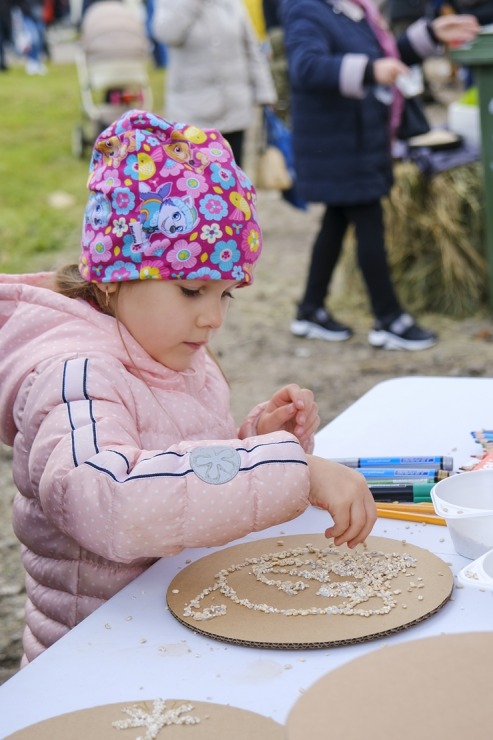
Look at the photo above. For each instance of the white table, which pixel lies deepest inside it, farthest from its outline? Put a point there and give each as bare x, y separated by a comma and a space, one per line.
132, 648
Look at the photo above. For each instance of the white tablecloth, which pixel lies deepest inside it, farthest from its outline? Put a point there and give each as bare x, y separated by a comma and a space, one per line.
132, 648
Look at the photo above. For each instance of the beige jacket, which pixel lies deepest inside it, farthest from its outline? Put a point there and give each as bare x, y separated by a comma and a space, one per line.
216, 72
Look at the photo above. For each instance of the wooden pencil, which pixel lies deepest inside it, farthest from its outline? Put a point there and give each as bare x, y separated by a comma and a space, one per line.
410, 516
425, 506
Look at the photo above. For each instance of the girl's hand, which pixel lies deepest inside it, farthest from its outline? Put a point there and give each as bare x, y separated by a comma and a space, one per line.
387, 69
345, 495
455, 29
294, 410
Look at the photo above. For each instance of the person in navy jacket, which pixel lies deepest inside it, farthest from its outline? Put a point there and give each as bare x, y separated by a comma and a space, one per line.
346, 109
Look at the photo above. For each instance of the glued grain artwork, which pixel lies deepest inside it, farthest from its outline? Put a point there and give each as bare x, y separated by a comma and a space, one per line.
365, 575
248, 594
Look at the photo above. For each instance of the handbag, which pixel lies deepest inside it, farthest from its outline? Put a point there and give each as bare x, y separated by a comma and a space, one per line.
413, 119
272, 172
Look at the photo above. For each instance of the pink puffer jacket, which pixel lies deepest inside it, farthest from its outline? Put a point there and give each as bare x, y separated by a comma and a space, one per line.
115, 466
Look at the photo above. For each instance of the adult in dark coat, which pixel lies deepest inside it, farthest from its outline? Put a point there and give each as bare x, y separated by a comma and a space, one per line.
345, 110
271, 13
5, 31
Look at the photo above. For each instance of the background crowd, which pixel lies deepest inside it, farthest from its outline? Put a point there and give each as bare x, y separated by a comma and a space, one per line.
329, 76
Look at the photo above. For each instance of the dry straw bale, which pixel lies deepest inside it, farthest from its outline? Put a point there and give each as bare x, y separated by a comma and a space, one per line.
435, 241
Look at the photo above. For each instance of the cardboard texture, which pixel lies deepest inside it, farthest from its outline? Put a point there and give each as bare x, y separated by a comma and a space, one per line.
216, 721
244, 626
438, 687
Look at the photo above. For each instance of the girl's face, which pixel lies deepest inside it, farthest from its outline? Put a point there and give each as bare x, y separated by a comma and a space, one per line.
173, 319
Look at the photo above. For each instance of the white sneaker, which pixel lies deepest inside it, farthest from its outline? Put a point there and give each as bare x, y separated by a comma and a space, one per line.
401, 333
35, 68
319, 325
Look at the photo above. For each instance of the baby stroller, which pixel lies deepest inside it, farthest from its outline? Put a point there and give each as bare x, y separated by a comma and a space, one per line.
112, 66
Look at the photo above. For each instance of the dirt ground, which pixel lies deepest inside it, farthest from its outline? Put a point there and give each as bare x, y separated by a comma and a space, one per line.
259, 355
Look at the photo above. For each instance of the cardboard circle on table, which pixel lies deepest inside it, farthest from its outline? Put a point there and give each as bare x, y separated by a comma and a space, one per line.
436, 687
96, 723
423, 590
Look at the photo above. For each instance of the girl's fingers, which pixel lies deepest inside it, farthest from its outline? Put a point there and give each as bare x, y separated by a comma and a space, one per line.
307, 422
354, 529
279, 417
313, 421
342, 519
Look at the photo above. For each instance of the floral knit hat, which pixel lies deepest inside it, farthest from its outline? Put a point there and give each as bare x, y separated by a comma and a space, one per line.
167, 201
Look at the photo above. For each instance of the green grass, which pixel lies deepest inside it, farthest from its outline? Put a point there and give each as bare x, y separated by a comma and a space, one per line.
38, 116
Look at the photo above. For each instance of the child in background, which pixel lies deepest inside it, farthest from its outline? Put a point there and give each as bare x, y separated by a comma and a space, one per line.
346, 112
124, 447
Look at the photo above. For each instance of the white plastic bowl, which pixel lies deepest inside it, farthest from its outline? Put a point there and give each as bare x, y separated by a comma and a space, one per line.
465, 501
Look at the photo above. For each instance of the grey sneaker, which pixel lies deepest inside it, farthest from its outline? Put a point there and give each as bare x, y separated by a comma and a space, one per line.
401, 332
319, 325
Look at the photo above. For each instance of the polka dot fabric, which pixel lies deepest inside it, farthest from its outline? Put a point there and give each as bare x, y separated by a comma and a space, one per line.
167, 201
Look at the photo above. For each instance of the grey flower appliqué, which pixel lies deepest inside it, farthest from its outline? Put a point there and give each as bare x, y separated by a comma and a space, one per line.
215, 465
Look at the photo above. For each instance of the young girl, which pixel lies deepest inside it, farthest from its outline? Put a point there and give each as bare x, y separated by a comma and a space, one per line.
124, 447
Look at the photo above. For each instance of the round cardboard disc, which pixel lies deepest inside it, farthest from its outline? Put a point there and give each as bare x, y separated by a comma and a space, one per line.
215, 721
417, 592
436, 687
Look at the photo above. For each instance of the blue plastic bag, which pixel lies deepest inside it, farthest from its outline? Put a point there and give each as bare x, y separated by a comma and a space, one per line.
279, 135
22, 32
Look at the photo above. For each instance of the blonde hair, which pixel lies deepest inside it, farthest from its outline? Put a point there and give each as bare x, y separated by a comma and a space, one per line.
70, 283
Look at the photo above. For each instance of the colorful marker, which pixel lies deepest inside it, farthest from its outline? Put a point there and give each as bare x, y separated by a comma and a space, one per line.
396, 473
443, 463
485, 436
403, 493
400, 481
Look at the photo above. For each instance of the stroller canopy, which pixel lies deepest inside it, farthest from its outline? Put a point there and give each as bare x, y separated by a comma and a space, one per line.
111, 30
